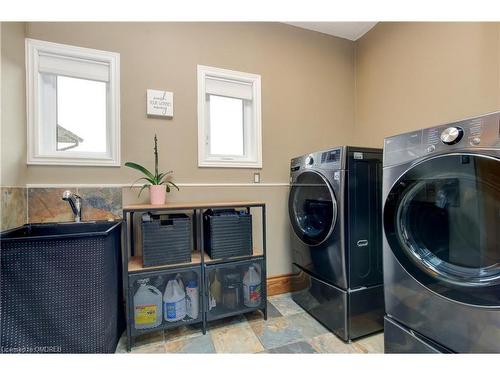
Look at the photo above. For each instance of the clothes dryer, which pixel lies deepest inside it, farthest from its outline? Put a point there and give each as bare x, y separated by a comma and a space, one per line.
441, 238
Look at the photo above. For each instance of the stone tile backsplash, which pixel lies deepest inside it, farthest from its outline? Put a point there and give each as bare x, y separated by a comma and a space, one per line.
101, 203
12, 207
46, 205
43, 205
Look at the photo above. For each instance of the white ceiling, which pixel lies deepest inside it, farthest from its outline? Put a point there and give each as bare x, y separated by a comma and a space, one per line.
347, 30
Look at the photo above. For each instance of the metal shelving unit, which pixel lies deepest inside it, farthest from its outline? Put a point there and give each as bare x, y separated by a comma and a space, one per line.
200, 263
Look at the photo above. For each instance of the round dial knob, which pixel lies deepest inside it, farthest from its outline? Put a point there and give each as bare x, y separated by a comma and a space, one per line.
475, 141
452, 135
310, 160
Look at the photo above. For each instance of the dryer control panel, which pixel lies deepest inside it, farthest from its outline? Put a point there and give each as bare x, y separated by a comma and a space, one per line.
479, 132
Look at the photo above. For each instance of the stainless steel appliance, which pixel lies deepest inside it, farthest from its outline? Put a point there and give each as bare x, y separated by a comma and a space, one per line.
335, 214
441, 193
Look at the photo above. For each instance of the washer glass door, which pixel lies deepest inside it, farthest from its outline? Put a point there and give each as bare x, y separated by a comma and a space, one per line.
312, 208
442, 221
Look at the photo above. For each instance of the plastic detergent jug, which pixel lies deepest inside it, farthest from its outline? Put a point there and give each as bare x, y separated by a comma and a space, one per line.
215, 289
174, 302
192, 299
158, 282
178, 277
251, 288
147, 306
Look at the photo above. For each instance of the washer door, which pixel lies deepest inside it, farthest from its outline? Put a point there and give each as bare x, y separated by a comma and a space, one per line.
442, 222
312, 208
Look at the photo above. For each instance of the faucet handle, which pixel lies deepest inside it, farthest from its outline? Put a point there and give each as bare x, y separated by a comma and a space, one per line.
67, 194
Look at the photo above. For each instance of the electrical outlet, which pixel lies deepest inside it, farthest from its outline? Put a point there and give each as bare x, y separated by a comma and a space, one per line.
256, 177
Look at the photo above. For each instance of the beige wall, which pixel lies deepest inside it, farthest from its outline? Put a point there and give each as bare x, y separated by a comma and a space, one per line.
13, 112
317, 91
416, 75
307, 91
307, 104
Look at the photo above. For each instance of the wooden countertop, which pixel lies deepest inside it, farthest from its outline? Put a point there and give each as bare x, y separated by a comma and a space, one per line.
191, 205
135, 262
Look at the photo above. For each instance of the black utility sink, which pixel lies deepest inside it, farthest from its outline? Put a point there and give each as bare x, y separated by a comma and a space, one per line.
61, 288
60, 230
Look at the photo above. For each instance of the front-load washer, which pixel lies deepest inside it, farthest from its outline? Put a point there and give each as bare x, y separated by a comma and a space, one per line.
335, 214
441, 238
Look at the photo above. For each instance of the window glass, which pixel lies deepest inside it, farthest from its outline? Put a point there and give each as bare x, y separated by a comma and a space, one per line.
229, 119
226, 126
311, 208
73, 105
441, 221
81, 115
449, 221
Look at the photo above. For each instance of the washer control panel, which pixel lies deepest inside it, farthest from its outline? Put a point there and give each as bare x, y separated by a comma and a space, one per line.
332, 156
479, 132
310, 160
452, 135
325, 160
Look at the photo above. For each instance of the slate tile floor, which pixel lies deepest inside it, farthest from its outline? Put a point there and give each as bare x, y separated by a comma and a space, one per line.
288, 330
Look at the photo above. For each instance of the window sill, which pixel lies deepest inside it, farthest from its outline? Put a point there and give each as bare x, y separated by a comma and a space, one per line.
74, 162
230, 164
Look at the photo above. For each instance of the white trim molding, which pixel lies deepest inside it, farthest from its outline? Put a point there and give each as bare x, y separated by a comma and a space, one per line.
71, 61
225, 83
186, 184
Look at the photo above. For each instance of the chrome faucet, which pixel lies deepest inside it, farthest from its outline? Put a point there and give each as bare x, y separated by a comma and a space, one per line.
75, 201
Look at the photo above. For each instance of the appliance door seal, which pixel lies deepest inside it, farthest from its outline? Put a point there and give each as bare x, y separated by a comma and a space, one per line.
312, 208
442, 220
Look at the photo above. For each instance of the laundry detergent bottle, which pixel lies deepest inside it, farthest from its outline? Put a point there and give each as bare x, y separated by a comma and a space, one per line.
252, 288
192, 299
178, 277
174, 302
216, 290
147, 306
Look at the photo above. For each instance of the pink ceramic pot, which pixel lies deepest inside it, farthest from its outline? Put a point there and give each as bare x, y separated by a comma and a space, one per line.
157, 194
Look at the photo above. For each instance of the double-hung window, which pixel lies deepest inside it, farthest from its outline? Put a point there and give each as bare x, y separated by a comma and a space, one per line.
229, 119
73, 105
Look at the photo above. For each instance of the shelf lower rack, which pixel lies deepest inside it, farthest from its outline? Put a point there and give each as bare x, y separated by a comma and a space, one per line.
135, 262
201, 263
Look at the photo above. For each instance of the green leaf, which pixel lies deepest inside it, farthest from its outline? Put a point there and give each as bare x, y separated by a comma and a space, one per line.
142, 178
162, 175
140, 168
171, 183
142, 188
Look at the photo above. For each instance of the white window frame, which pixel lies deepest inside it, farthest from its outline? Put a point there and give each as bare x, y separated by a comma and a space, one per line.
35, 154
252, 135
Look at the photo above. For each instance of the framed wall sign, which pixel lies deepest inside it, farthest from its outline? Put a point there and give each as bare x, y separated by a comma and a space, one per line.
160, 103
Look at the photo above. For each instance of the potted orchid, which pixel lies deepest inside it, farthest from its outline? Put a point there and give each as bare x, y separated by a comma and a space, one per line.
158, 183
